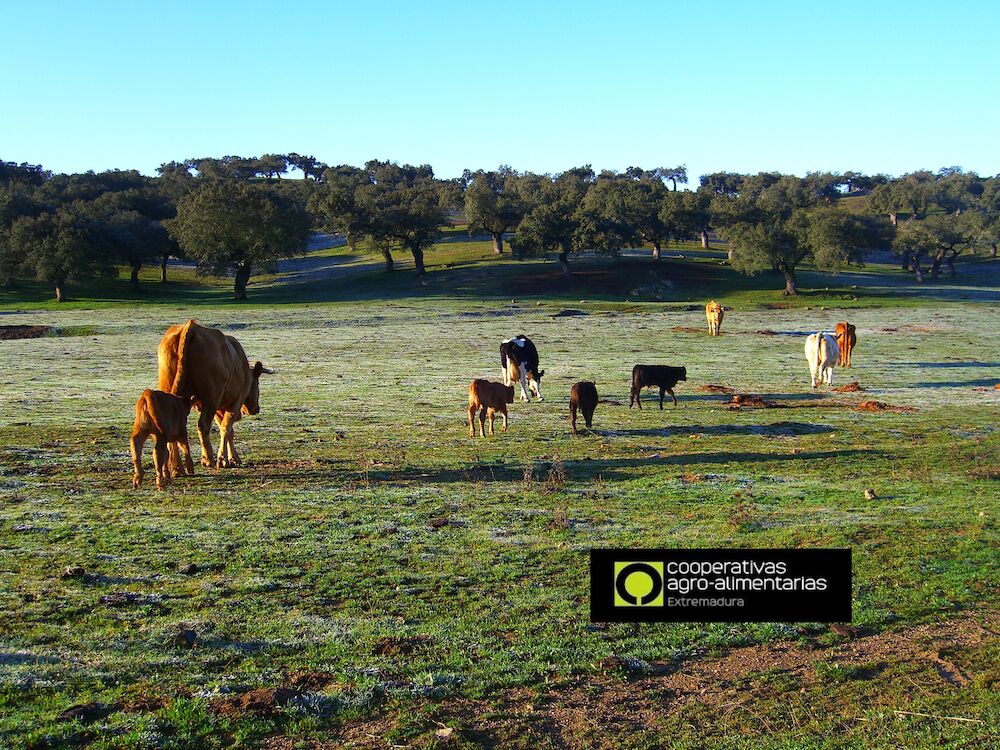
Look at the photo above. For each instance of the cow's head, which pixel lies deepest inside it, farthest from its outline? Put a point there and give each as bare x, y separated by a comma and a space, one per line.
684, 374
508, 394
251, 405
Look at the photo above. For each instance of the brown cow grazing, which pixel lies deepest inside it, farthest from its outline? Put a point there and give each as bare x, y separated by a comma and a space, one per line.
211, 368
488, 398
847, 337
163, 416
655, 376
715, 313
582, 396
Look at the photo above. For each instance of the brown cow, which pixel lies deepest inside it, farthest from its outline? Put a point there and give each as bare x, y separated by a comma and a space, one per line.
163, 416
211, 368
715, 313
847, 337
488, 398
582, 396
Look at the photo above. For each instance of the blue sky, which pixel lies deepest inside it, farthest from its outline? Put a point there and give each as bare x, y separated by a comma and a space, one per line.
543, 86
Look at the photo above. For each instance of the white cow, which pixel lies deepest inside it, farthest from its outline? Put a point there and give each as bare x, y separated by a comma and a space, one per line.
822, 353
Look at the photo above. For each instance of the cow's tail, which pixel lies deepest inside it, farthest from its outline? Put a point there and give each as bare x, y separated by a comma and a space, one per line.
147, 400
820, 346
181, 346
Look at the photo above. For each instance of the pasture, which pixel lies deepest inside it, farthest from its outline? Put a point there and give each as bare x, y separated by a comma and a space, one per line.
373, 577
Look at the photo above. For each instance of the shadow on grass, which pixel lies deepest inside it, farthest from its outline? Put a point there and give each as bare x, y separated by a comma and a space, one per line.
586, 470
959, 383
774, 429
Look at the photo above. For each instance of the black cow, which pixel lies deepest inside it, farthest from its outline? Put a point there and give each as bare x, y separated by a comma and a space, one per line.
655, 376
519, 362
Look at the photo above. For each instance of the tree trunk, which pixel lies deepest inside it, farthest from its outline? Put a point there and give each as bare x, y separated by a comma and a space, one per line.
950, 260
936, 266
790, 290
59, 291
163, 269
134, 279
892, 218
242, 279
906, 260
656, 250
704, 240
917, 268
993, 250
731, 254
351, 242
418, 260
387, 257
498, 243
564, 263
673, 180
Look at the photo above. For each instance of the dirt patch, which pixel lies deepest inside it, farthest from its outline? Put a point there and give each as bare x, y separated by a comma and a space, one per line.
991, 474
713, 388
853, 387
776, 305
871, 405
687, 329
615, 704
262, 702
88, 712
570, 313
393, 646
739, 400
312, 680
767, 332
11, 333
610, 401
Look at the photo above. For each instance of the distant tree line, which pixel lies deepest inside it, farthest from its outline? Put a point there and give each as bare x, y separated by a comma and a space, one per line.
236, 215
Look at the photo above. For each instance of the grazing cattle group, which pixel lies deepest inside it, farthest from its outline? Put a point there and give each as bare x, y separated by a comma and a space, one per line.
205, 369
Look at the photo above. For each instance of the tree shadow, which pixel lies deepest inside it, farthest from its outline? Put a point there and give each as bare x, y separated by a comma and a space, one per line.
952, 364
958, 383
773, 429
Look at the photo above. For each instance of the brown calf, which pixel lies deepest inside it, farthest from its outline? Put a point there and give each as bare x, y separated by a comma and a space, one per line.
846, 337
715, 313
164, 416
582, 396
488, 398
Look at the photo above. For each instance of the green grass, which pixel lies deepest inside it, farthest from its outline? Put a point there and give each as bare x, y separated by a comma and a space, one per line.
437, 580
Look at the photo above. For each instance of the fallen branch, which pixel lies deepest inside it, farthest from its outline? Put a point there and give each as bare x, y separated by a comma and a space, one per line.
934, 716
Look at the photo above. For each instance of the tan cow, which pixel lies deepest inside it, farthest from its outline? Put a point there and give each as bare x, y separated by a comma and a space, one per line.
715, 313
163, 416
206, 365
847, 337
488, 398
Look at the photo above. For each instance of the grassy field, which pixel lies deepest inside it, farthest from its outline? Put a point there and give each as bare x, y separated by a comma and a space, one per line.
374, 578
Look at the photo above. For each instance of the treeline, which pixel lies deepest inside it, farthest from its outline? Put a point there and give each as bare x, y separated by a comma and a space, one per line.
237, 216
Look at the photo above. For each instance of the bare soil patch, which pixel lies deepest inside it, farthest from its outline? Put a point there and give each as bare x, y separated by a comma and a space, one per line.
872, 405
740, 400
11, 333
261, 702
687, 329
853, 387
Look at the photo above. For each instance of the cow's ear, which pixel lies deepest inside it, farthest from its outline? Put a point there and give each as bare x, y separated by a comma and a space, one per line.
541, 372
258, 368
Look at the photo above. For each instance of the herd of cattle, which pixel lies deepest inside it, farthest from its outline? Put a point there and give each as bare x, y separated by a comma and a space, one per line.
205, 369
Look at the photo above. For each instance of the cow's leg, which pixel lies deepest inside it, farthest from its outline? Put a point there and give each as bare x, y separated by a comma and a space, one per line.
524, 383
572, 416
472, 420
205, 435
482, 422
186, 448
160, 456
234, 457
536, 389
674, 397
662, 391
503, 413
638, 397
224, 427
136, 442
174, 459
490, 414
588, 415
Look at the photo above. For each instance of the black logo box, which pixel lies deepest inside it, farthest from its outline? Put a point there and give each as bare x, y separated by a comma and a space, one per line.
830, 605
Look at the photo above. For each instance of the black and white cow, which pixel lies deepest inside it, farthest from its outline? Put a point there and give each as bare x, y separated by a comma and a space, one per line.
519, 362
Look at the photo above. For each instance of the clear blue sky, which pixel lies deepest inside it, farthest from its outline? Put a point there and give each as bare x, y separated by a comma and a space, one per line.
743, 86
